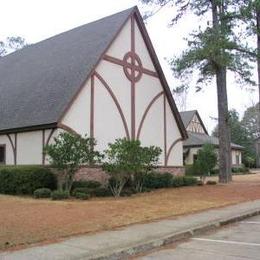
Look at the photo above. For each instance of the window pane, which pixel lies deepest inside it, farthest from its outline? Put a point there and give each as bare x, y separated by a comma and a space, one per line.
2, 154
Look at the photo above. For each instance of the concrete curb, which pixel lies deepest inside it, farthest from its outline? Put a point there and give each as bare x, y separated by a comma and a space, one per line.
123, 253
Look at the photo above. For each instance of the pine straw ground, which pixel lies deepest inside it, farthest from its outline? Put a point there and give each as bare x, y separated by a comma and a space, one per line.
24, 221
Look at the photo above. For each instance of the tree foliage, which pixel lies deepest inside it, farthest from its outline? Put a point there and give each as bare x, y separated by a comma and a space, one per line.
242, 132
213, 49
206, 160
68, 153
128, 160
11, 44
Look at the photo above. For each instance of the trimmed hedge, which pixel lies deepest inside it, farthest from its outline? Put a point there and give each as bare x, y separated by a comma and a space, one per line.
189, 181
82, 196
60, 195
211, 183
156, 180
97, 192
25, 179
240, 169
86, 184
42, 193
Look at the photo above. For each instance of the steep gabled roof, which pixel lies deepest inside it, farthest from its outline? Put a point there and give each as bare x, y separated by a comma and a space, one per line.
198, 139
39, 82
187, 116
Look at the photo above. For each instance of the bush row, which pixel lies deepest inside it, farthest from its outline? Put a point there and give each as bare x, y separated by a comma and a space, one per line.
152, 181
156, 180
40, 182
190, 170
25, 179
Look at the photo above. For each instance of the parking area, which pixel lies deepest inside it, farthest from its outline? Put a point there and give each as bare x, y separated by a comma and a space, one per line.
237, 241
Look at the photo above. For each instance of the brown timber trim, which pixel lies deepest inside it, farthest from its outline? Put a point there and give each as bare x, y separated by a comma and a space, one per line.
146, 112
4, 146
50, 135
132, 80
14, 146
115, 101
43, 145
68, 129
165, 130
27, 129
132, 110
170, 149
122, 63
92, 93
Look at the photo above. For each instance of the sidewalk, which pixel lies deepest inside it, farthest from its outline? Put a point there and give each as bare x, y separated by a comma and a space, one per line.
120, 243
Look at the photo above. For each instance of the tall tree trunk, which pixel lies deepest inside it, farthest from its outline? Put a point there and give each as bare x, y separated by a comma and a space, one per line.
224, 128
258, 61
218, 8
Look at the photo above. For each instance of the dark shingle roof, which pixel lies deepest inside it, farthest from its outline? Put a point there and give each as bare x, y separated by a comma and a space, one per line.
197, 139
38, 82
186, 117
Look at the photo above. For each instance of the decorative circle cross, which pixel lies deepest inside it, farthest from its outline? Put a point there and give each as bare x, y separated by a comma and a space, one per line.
132, 66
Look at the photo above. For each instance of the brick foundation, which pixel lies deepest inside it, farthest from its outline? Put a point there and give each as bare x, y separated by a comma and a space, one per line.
97, 174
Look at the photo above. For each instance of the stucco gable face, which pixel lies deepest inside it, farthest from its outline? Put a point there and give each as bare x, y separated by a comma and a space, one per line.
124, 97
196, 125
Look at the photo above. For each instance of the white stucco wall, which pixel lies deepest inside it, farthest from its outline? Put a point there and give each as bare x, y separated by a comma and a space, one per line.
107, 121
122, 44
142, 50
192, 152
78, 116
29, 147
234, 154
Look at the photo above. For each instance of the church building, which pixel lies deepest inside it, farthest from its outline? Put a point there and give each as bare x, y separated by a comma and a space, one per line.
102, 79
198, 136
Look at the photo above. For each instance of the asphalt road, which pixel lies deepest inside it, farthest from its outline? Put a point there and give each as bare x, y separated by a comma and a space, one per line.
237, 241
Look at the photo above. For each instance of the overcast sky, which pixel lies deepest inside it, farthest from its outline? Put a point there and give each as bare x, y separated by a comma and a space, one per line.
38, 20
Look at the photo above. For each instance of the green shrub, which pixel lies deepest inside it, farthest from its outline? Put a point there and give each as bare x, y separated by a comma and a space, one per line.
192, 170
97, 192
146, 189
177, 181
240, 169
42, 193
82, 196
102, 192
126, 192
189, 181
82, 190
155, 180
25, 179
214, 172
211, 183
59, 195
86, 184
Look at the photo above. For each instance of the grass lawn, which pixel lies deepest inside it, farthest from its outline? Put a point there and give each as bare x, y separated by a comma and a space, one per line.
24, 221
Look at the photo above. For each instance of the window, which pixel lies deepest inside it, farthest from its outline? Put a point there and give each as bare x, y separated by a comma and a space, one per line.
2, 153
237, 159
195, 157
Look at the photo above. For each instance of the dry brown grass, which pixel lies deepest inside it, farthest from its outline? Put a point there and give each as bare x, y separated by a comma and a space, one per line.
25, 221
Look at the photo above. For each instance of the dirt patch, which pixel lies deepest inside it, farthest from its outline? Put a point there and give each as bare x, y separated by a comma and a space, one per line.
24, 221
